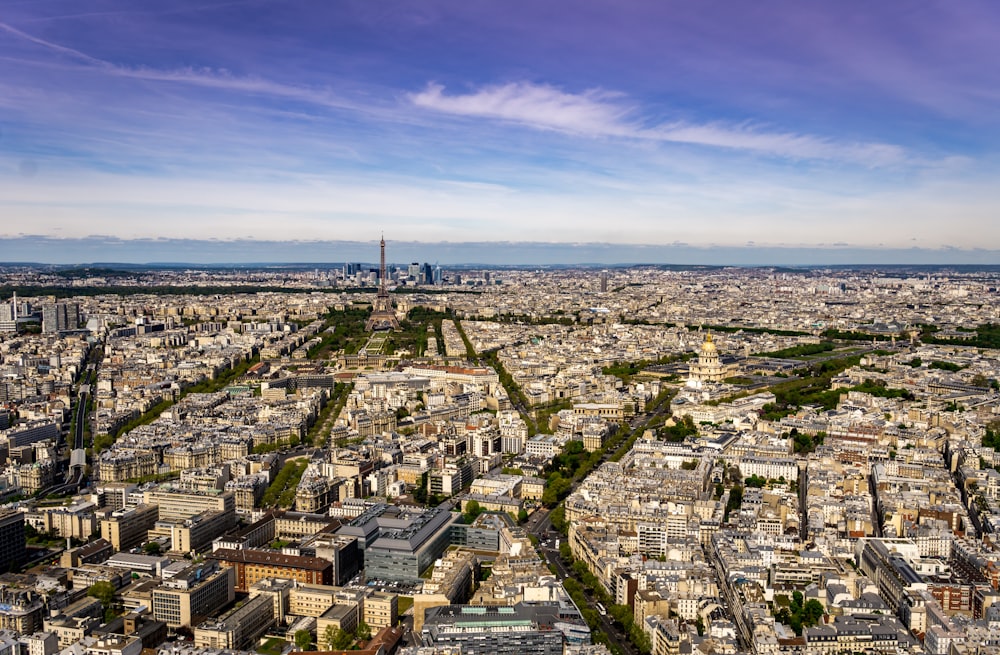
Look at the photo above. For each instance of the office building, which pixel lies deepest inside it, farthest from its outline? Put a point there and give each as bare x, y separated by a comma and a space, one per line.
480, 630
400, 545
60, 316
252, 565
240, 628
193, 594
181, 504
115, 645
12, 542
381, 609
150, 632
21, 610
40, 643
127, 528
197, 532
94, 552
340, 550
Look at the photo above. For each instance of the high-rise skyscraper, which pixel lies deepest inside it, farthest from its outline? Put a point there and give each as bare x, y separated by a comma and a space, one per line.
604, 281
60, 316
12, 548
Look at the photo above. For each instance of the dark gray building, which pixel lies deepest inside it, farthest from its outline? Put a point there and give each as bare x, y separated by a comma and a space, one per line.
399, 545
60, 316
12, 549
480, 630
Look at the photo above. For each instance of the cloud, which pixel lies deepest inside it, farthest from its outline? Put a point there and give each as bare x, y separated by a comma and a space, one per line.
598, 113
75, 54
205, 77
783, 144
593, 113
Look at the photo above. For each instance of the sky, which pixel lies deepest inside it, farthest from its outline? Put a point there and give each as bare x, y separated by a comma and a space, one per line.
727, 131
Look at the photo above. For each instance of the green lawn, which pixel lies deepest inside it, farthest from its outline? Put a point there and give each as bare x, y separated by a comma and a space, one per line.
272, 646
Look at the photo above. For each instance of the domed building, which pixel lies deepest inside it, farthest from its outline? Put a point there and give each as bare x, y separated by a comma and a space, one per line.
708, 368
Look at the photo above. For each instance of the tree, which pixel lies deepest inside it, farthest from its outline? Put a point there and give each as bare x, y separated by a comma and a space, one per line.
103, 591
152, 548
303, 639
420, 493
363, 631
522, 515
336, 639
812, 611
472, 510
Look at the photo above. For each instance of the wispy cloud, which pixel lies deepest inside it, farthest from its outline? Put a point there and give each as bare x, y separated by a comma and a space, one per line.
539, 106
593, 113
785, 144
75, 54
601, 113
206, 77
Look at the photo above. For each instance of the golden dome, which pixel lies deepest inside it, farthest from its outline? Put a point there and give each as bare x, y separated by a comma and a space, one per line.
708, 346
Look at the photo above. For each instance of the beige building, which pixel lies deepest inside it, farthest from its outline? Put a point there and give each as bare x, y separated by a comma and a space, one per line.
127, 528
297, 525
40, 643
649, 603
122, 464
279, 591
180, 504
532, 488
311, 600
115, 645
193, 594
76, 521
21, 610
37, 476
381, 609
197, 532
238, 629
344, 616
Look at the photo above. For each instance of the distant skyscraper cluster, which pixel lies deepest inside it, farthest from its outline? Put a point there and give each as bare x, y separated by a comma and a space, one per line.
55, 316
414, 273
9, 314
60, 316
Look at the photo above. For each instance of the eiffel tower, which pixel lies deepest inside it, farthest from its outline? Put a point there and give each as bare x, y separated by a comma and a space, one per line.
383, 315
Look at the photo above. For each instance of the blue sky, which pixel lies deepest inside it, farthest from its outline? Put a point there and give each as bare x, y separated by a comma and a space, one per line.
729, 125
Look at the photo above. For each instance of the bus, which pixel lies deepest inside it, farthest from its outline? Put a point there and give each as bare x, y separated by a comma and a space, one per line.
601, 610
